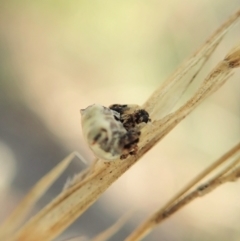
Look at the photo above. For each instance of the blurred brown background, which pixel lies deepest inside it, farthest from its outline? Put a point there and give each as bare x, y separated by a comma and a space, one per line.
59, 56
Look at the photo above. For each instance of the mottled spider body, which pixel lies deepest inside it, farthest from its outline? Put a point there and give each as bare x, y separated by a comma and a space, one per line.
113, 132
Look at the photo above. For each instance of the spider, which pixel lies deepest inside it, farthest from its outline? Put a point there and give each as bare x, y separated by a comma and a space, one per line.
113, 132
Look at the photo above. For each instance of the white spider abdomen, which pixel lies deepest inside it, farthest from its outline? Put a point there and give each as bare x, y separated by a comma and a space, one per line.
102, 131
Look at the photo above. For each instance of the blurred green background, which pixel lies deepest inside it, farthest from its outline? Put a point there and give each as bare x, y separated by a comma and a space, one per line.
57, 57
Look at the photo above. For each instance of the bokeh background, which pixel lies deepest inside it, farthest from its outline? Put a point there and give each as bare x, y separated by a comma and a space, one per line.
57, 57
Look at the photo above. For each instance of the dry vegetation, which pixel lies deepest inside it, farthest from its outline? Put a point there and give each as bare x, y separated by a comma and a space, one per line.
53, 219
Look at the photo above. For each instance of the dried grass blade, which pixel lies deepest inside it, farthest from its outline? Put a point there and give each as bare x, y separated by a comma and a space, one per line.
200, 191
203, 174
178, 201
227, 175
213, 81
28, 202
159, 104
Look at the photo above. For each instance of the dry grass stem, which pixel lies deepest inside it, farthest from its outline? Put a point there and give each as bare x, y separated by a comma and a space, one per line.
200, 191
73, 201
229, 173
15, 219
162, 100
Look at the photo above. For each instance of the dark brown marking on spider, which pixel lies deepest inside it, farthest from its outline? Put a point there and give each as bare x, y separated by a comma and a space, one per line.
141, 116
116, 118
119, 108
96, 138
130, 119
